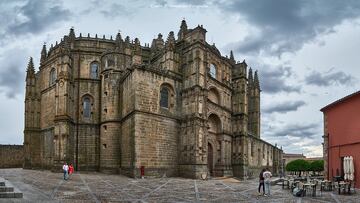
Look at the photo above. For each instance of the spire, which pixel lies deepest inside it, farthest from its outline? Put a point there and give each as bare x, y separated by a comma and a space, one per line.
232, 56
250, 77
43, 54
30, 68
256, 80
170, 41
183, 30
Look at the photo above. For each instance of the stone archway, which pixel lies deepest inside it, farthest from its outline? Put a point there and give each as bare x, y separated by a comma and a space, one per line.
210, 159
214, 149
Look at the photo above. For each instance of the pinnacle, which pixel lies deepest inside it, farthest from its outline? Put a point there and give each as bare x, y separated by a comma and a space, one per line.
72, 33
43, 53
232, 56
137, 41
256, 79
30, 67
127, 39
250, 77
183, 30
118, 37
183, 24
171, 37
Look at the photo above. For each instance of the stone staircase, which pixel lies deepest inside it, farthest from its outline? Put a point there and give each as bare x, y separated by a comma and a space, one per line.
7, 190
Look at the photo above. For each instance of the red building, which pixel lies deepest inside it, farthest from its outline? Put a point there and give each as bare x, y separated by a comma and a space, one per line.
342, 135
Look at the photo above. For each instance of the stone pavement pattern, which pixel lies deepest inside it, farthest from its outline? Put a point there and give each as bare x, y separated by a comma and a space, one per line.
97, 187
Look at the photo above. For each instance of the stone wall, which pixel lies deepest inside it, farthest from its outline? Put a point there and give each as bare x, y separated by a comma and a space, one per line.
156, 132
88, 152
11, 156
262, 155
156, 144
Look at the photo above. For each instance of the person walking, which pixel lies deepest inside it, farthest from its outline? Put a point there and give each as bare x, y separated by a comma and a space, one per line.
267, 180
71, 170
261, 182
65, 170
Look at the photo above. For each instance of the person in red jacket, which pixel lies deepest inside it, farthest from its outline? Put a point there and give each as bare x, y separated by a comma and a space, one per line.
71, 170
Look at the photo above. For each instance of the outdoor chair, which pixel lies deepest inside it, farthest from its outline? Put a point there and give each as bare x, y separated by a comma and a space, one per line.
352, 187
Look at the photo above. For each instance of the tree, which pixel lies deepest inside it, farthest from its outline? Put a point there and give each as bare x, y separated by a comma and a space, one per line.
298, 165
317, 166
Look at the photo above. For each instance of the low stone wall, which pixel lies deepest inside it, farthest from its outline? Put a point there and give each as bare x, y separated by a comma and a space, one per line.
11, 156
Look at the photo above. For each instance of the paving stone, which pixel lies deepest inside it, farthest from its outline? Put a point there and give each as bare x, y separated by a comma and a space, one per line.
45, 186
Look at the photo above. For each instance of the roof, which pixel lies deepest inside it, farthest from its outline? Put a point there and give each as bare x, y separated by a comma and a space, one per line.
315, 158
340, 101
293, 155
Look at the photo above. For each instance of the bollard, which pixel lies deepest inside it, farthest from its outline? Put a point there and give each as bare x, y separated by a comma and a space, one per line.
142, 171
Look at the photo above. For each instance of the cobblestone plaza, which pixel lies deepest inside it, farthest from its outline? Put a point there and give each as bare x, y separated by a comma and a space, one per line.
45, 186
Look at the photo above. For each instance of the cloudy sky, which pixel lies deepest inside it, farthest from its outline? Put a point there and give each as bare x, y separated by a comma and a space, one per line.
306, 52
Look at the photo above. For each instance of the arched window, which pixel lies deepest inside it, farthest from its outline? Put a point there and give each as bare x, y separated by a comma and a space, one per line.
212, 70
86, 107
164, 97
94, 69
52, 78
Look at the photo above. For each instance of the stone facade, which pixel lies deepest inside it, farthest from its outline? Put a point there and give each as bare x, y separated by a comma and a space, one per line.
177, 108
11, 156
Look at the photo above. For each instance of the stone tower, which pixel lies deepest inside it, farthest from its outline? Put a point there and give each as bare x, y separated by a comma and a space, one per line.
240, 118
254, 104
32, 146
193, 141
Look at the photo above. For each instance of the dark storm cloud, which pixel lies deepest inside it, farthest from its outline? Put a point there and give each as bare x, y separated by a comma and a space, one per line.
19, 18
273, 80
31, 16
284, 107
12, 73
329, 78
284, 26
295, 130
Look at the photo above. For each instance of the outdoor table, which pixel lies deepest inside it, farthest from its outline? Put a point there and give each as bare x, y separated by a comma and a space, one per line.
311, 186
343, 186
325, 185
287, 183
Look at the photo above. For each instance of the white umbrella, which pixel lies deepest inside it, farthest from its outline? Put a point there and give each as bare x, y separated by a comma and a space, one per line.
345, 166
351, 168
348, 167
348, 162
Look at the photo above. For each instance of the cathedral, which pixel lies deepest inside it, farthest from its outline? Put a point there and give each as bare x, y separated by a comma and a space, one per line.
176, 107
